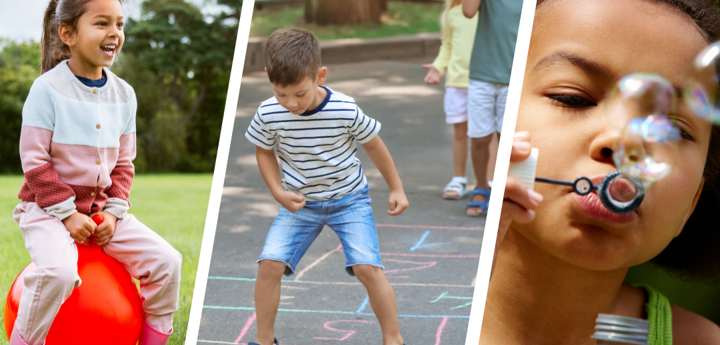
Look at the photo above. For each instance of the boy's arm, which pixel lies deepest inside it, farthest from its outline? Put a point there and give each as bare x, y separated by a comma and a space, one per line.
382, 159
271, 174
470, 7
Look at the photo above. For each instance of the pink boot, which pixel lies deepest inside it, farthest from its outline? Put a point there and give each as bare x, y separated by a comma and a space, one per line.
149, 336
15, 338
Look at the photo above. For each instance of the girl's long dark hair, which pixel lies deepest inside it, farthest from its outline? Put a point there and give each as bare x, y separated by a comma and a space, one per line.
59, 12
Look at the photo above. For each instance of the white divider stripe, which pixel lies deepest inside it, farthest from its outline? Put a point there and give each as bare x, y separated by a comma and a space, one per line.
219, 173
501, 171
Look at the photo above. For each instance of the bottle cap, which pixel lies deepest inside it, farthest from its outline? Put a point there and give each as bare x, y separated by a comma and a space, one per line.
525, 170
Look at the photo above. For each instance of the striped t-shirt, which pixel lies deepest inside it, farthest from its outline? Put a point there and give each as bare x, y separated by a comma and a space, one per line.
317, 148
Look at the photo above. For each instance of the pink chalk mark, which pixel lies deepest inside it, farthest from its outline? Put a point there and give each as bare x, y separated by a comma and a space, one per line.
348, 333
429, 227
431, 255
339, 248
440, 330
420, 265
249, 323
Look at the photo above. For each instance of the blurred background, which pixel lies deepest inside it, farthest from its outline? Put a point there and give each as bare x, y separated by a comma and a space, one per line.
177, 56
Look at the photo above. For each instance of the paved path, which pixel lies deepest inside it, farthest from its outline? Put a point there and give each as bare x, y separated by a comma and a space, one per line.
430, 252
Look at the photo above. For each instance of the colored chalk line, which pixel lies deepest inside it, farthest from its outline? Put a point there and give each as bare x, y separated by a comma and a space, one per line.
474, 228
341, 283
217, 307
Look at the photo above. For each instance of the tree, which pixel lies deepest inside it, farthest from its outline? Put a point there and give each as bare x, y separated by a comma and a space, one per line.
19, 66
344, 12
177, 58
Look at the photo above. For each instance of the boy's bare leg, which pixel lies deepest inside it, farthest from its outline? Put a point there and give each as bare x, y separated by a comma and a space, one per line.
267, 299
460, 148
480, 153
382, 301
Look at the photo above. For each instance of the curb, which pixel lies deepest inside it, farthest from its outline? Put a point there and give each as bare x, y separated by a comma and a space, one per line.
425, 45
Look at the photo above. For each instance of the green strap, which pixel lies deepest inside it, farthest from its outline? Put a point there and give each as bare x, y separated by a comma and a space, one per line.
660, 316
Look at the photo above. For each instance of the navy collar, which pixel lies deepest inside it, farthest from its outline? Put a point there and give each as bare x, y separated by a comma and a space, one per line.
321, 105
93, 83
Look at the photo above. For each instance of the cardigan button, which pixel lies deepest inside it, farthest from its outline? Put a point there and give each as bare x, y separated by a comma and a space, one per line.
97, 162
94, 90
92, 193
97, 126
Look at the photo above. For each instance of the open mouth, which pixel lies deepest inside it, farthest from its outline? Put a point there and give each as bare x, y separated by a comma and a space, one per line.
109, 49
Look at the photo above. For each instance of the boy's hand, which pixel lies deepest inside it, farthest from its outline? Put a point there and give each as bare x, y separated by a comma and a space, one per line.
293, 202
80, 226
398, 202
106, 229
519, 201
433, 75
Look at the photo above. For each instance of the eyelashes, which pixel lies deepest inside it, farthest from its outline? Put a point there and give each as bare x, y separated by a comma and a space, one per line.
572, 101
579, 102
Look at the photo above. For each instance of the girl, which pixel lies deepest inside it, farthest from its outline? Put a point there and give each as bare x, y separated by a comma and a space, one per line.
457, 42
77, 145
564, 257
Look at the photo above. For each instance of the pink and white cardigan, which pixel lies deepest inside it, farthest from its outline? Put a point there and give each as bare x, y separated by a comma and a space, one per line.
77, 144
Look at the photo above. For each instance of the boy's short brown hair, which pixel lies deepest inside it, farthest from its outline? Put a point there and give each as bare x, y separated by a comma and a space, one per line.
291, 55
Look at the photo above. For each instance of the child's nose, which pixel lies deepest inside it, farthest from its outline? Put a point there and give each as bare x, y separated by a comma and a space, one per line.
603, 147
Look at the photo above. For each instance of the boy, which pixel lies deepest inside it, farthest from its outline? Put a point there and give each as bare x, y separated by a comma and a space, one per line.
315, 131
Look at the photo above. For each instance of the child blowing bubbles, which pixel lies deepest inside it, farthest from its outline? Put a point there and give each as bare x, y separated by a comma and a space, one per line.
564, 257
315, 131
77, 145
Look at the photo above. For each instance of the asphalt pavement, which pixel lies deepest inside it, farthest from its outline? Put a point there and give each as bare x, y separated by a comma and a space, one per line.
430, 252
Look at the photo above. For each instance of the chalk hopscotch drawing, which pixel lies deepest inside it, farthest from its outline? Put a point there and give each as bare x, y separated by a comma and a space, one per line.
420, 244
348, 333
445, 295
417, 262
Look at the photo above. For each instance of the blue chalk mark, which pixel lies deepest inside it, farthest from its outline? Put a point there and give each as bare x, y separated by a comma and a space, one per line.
444, 295
419, 244
337, 312
286, 310
426, 316
363, 305
460, 306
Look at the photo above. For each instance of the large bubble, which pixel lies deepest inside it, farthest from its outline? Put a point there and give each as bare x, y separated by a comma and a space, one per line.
647, 145
647, 148
639, 95
700, 91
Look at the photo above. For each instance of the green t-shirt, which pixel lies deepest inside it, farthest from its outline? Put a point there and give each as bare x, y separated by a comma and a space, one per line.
494, 47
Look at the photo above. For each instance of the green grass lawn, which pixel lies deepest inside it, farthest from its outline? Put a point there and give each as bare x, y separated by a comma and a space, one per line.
401, 19
173, 205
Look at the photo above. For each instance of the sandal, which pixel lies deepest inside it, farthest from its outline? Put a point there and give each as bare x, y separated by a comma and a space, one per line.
483, 205
457, 185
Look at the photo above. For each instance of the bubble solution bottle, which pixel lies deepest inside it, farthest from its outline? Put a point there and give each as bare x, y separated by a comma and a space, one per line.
616, 330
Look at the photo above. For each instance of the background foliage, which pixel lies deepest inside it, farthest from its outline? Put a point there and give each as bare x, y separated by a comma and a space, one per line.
178, 61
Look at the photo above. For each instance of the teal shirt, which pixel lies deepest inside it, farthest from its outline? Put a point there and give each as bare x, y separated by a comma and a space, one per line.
494, 47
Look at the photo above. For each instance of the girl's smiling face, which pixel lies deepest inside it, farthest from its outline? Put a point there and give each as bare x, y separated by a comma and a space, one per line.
96, 38
578, 50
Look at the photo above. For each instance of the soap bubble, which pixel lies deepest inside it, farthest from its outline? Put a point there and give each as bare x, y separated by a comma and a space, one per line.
701, 88
647, 148
639, 95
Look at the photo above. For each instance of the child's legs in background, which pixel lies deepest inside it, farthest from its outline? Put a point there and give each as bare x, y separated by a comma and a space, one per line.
290, 235
155, 263
352, 219
456, 102
55, 255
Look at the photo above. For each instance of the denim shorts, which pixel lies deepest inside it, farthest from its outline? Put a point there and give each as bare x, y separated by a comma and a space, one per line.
350, 217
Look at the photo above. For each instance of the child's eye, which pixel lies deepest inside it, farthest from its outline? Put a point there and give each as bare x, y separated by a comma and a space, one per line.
573, 101
686, 135
102, 23
120, 25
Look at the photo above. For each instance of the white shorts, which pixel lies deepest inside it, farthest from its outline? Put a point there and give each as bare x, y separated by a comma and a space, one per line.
486, 107
456, 105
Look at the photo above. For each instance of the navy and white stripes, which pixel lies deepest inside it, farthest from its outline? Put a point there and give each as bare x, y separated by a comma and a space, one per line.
317, 150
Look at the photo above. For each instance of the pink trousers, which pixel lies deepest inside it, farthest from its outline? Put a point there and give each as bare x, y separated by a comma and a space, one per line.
146, 256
